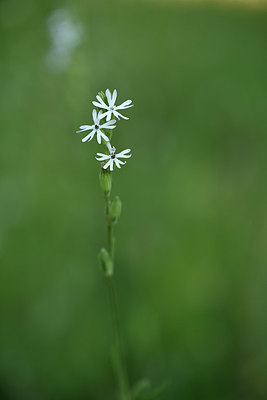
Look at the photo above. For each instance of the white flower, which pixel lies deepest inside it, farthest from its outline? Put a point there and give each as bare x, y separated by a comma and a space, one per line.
113, 157
111, 108
96, 128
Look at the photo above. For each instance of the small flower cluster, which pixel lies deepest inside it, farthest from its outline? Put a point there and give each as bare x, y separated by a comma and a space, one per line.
102, 121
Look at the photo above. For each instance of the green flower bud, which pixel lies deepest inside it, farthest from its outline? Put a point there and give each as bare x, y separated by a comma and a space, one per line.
115, 209
102, 95
106, 262
105, 180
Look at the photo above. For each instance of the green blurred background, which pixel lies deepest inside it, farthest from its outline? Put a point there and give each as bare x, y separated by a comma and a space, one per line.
191, 260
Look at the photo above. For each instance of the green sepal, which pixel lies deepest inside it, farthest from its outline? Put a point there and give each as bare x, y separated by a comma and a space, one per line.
115, 209
105, 179
106, 262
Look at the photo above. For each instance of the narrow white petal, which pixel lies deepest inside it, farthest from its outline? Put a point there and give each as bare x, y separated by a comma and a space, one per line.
84, 128
113, 121
101, 101
125, 104
89, 137
120, 162
123, 154
103, 136
109, 113
100, 115
117, 163
102, 157
124, 108
125, 151
102, 154
107, 125
118, 115
114, 97
108, 164
109, 147
98, 137
94, 113
104, 114
95, 103
108, 94
111, 164
99, 98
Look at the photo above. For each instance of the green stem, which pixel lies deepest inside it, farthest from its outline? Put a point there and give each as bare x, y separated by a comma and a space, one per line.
119, 365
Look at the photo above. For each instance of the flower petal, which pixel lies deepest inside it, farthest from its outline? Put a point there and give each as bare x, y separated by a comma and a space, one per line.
101, 134
123, 154
104, 114
102, 157
89, 137
98, 137
118, 115
109, 164
119, 108
100, 115
108, 125
110, 148
109, 113
94, 113
114, 97
96, 104
84, 128
108, 94
125, 104
119, 162
101, 101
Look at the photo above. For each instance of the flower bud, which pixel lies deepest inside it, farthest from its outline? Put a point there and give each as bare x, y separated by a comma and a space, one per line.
102, 95
106, 262
115, 209
105, 180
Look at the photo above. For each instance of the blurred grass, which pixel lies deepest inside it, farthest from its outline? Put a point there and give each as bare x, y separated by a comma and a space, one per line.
191, 259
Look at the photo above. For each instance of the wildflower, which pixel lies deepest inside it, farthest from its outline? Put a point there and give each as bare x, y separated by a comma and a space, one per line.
113, 157
111, 108
96, 128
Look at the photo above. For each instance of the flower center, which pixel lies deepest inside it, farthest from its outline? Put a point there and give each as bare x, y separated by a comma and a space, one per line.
113, 155
96, 127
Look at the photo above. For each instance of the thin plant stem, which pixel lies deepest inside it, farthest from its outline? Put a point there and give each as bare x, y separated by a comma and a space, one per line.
119, 364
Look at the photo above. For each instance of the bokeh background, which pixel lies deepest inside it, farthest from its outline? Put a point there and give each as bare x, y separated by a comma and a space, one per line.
191, 259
